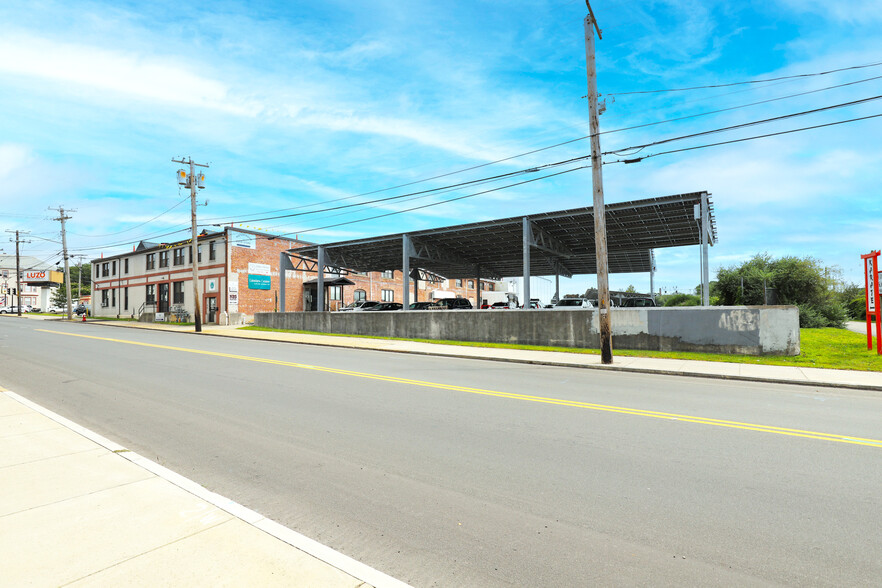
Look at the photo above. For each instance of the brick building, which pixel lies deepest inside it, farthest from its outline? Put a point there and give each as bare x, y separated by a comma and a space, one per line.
238, 277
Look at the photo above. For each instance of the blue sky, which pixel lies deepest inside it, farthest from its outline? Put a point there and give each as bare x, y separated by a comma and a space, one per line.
294, 104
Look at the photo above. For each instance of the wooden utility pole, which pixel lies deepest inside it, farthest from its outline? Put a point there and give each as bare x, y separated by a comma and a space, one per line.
192, 181
597, 182
18, 240
63, 217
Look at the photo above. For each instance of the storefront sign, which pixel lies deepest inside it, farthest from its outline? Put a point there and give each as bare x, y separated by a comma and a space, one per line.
259, 282
259, 269
211, 285
42, 276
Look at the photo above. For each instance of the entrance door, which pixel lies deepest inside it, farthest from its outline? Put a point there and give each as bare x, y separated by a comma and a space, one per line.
163, 298
211, 309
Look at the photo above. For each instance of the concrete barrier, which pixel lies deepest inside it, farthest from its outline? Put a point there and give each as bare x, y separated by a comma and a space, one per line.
746, 330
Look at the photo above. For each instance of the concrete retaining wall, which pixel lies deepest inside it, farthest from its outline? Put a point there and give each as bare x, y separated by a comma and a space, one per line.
747, 330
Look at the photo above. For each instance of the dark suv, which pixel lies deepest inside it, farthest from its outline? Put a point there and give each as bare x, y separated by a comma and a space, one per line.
455, 304
638, 302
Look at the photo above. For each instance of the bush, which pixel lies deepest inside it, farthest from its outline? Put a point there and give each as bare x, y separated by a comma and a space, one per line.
809, 318
857, 308
682, 300
834, 313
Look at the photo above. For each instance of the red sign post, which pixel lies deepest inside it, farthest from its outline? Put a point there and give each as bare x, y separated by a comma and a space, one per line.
874, 308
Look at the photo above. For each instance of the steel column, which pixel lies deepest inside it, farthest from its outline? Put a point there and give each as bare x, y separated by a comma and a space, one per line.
320, 286
405, 270
705, 270
528, 239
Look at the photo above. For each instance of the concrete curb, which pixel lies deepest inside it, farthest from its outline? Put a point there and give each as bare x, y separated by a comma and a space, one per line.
546, 362
321, 552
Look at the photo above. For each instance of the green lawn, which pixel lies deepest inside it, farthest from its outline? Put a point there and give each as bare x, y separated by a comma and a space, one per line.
821, 348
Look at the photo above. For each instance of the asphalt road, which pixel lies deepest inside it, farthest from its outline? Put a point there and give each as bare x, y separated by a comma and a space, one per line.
453, 472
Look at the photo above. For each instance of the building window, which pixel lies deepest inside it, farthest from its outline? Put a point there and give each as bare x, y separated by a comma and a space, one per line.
163, 258
359, 295
471, 283
104, 300
179, 256
198, 253
178, 293
151, 260
459, 283
150, 295
388, 296
126, 296
212, 251
335, 292
113, 297
113, 268
105, 269
388, 274
126, 266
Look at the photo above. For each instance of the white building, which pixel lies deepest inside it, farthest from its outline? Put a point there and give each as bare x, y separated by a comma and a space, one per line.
38, 282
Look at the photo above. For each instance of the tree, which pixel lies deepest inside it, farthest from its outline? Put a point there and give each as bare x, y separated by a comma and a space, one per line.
800, 281
59, 297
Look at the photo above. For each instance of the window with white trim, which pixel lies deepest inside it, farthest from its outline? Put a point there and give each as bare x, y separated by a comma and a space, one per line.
387, 295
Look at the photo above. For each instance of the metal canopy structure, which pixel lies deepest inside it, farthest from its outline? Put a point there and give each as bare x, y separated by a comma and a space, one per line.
551, 243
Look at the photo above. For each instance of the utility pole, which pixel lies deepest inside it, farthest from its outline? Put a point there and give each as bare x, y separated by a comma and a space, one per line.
193, 182
597, 182
79, 276
18, 267
63, 217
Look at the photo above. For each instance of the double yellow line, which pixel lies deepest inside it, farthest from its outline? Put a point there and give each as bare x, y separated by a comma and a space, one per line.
513, 396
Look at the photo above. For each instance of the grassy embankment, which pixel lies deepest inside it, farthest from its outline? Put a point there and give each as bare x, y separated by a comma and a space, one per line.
820, 348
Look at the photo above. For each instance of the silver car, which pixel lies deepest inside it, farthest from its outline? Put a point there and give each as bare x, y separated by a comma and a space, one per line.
571, 303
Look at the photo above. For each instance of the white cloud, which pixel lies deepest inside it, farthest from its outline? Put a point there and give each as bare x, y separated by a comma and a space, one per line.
131, 74
850, 12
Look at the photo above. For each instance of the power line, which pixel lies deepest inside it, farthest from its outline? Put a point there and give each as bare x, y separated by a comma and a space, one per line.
842, 122
134, 227
300, 232
248, 217
744, 125
763, 81
433, 203
573, 160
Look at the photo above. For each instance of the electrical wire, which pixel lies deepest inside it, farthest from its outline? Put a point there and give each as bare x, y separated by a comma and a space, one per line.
433, 203
639, 148
248, 217
134, 227
842, 122
763, 81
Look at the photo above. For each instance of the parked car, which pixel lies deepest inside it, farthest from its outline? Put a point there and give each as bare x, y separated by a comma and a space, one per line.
81, 309
534, 303
359, 305
13, 309
385, 306
453, 304
421, 305
571, 303
500, 306
638, 302
55, 309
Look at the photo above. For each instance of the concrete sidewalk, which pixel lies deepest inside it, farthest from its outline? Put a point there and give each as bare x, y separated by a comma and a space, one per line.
77, 509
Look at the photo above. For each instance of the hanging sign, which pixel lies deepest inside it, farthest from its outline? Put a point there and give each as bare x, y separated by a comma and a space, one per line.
871, 267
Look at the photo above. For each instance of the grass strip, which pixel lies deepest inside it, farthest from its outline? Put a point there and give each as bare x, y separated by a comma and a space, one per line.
837, 349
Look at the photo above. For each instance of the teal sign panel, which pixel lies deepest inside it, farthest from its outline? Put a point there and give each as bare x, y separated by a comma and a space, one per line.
258, 282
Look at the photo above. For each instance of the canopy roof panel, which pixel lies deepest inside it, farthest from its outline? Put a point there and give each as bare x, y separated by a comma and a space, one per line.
494, 249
